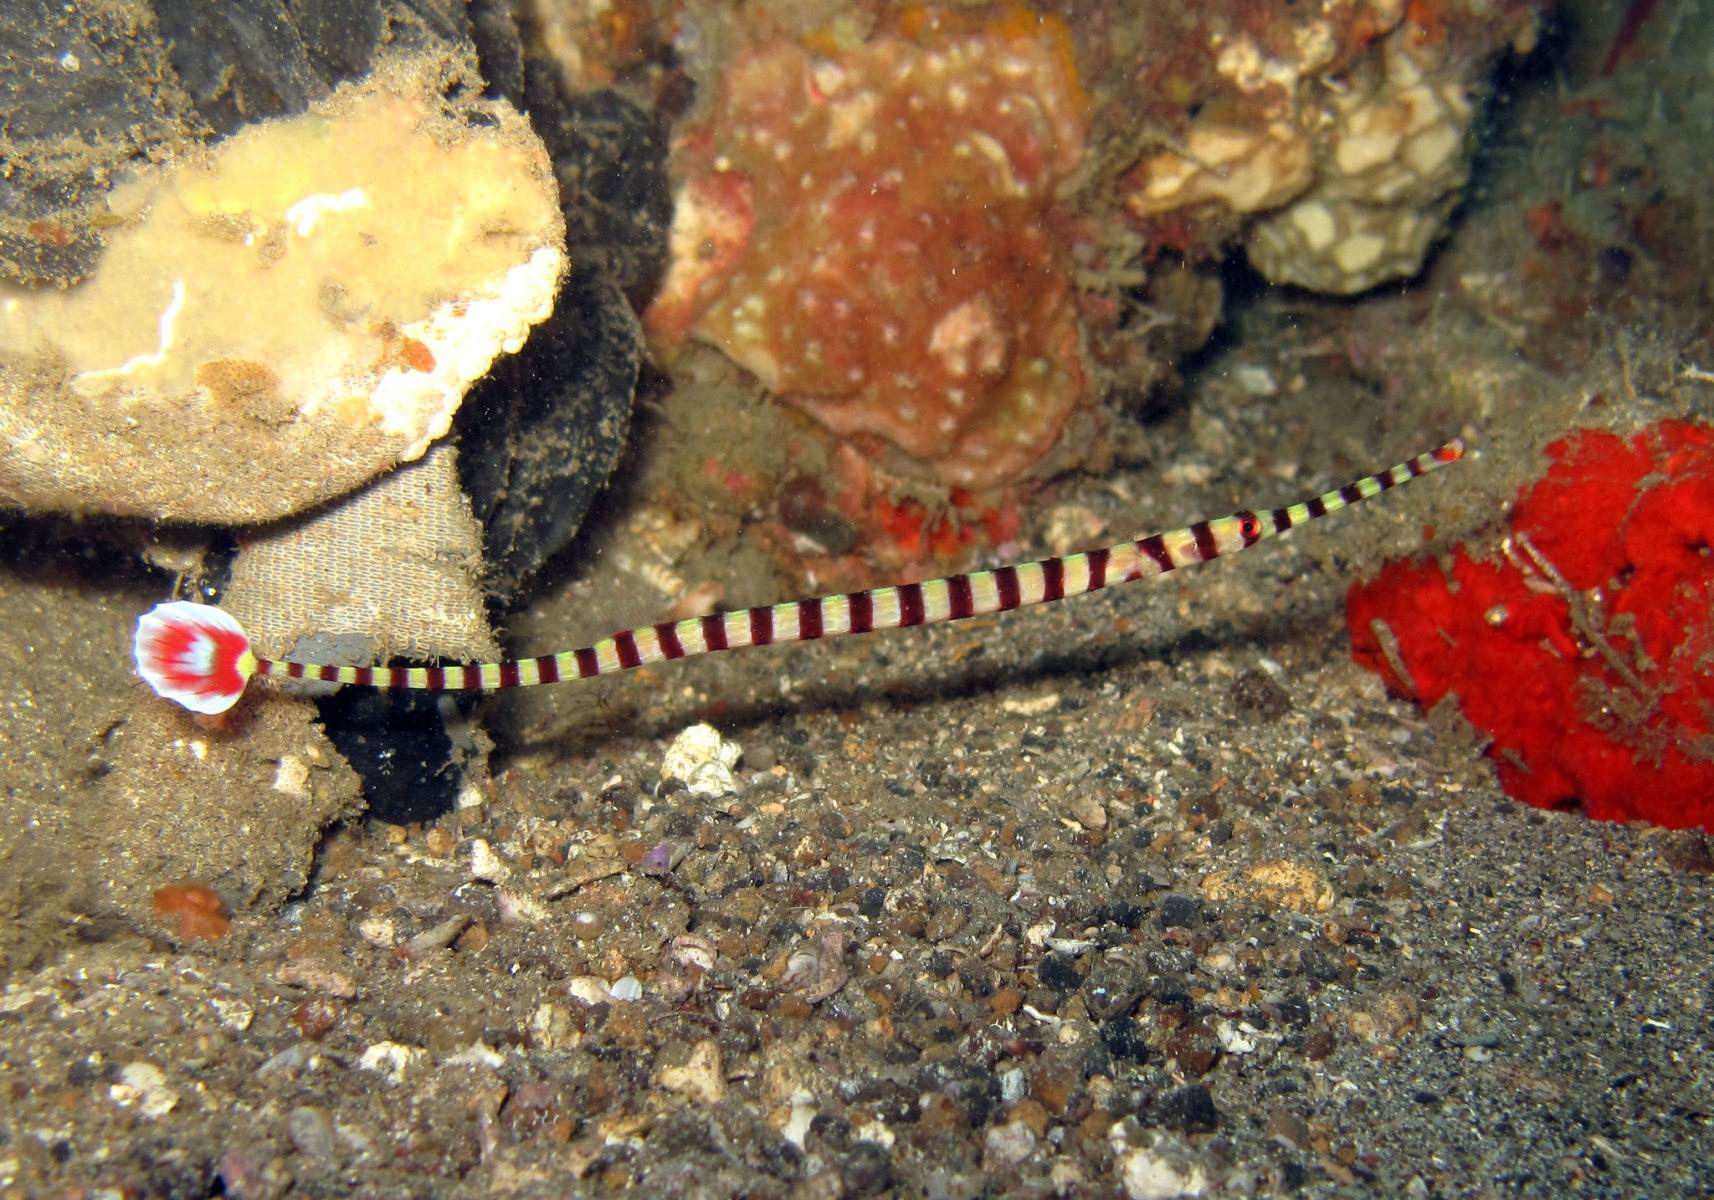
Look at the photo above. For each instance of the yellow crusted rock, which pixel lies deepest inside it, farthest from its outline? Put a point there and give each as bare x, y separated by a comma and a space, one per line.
1387, 175
299, 310
1245, 170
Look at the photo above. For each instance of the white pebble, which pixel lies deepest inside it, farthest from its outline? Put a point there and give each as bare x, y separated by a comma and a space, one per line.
486, 864
702, 760
1253, 379
390, 1059
143, 1084
1148, 1177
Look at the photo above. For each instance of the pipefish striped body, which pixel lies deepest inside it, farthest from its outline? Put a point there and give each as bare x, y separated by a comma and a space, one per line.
200, 656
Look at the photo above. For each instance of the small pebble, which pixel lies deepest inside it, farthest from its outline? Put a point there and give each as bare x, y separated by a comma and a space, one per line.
311, 1131
1009, 1144
1190, 1108
588, 924
703, 761
144, 1085
317, 977
315, 1017
198, 910
485, 863
1087, 809
868, 1169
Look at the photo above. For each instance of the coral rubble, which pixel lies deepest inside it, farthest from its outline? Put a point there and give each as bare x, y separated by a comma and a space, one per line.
1386, 179
1346, 130
869, 230
281, 321
1586, 648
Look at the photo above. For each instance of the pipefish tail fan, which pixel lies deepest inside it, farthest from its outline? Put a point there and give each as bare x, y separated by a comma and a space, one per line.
194, 654
199, 656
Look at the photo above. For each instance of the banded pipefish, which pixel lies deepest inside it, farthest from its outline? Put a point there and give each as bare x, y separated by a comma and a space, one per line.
200, 656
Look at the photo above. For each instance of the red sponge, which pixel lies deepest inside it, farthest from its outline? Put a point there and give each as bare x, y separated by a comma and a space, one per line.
1586, 649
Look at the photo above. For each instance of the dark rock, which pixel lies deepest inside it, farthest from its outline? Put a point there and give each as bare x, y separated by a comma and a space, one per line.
611, 159
1125, 1041
867, 1169
1177, 910
1189, 1108
1112, 992
1257, 697
1059, 972
540, 434
1121, 913
835, 1131
67, 132
249, 60
398, 744
1687, 850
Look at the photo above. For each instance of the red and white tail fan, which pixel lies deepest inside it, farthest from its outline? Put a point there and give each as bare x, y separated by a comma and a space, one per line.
194, 654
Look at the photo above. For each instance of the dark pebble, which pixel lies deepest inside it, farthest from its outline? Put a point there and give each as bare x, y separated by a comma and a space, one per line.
1189, 1108
1257, 697
1059, 972
835, 1131
1613, 263
1687, 850
867, 1170
873, 903
1177, 910
1123, 1040
1121, 913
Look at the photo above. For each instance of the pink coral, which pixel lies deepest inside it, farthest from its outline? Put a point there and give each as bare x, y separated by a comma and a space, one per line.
871, 232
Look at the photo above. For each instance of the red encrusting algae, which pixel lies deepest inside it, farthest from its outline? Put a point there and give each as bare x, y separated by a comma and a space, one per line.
1586, 648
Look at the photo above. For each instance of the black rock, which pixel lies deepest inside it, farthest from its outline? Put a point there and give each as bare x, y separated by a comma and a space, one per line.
867, 1169
1125, 1041
398, 744
1059, 972
611, 160
540, 434
1257, 697
1121, 913
249, 60
1177, 910
1189, 1108
67, 131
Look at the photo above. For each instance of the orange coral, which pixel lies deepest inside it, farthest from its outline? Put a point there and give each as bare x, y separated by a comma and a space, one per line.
871, 233
201, 913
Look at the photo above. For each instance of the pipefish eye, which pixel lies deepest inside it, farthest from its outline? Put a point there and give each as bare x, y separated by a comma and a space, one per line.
1249, 526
